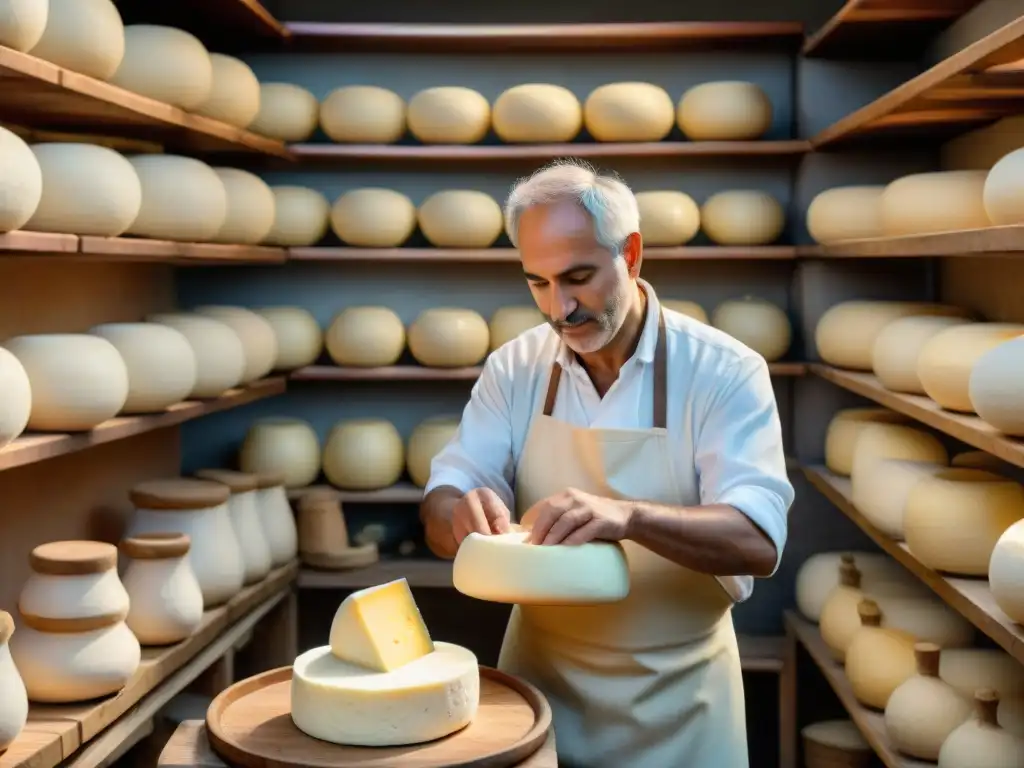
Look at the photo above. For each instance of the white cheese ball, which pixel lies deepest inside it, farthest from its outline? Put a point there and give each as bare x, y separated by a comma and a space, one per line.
363, 455
760, 324
1003, 193
508, 322
289, 446
16, 404
301, 217
449, 115
363, 114
535, 113
85, 36
629, 112
287, 112
460, 218
220, 356
259, 343
730, 110
846, 213
425, 442
943, 201
742, 217
182, 199
250, 207
298, 335
365, 337
165, 64
448, 337
21, 181
373, 218
22, 23
667, 217
994, 387
234, 94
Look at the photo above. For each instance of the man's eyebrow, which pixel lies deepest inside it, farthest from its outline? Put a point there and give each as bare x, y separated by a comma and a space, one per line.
563, 273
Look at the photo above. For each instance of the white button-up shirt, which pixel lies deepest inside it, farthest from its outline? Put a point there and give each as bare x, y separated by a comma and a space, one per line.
722, 419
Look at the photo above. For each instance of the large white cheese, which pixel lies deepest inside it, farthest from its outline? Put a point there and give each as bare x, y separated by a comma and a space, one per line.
898, 347
366, 337
289, 446
667, 217
363, 455
460, 218
882, 488
1003, 194
425, 442
166, 64
945, 363
846, 213
235, 93
22, 23
536, 113
287, 112
380, 628
730, 110
84, 36
21, 181
363, 114
629, 111
1006, 572
508, 322
182, 199
257, 336
220, 356
761, 325
449, 115
298, 335
892, 441
373, 218
742, 217
448, 337
844, 429
250, 207
16, 404
301, 216
995, 387
943, 201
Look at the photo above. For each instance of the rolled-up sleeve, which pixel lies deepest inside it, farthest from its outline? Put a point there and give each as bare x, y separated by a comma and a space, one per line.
739, 454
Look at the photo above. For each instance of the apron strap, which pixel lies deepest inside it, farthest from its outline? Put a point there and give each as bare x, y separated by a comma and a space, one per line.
549, 400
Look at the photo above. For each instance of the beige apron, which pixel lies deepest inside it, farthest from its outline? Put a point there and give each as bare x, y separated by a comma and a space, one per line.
652, 681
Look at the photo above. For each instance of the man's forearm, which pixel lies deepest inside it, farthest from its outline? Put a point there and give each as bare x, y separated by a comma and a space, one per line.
436, 516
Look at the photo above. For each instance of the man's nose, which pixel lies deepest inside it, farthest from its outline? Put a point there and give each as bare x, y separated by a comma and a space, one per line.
562, 305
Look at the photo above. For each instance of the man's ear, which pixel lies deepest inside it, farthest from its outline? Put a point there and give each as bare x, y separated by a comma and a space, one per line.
633, 253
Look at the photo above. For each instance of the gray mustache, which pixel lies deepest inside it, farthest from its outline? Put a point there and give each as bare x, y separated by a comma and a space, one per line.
575, 318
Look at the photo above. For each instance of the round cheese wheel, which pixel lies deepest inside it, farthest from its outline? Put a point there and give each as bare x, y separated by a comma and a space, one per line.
943, 201
535, 113
259, 343
288, 446
250, 207
688, 308
667, 217
841, 735
898, 346
449, 115
945, 362
994, 387
16, 405
1003, 193
742, 217
846, 213
1006, 572
235, 93
301, 216
365, 337
363, 114
160, 361
22, 23
373, 218
220, 356
363, 455
819, 575
448, 337
182, 199
508, 322
87, 190
730, 110
844, 429
845, 335
166, 64
882, 487
629, 111
425, 442
78, 381
460, 218
21, 180
84, 36
298, 335
287, 112
759, 324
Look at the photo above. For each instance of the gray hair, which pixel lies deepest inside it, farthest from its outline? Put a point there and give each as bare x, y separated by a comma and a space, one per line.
606, 198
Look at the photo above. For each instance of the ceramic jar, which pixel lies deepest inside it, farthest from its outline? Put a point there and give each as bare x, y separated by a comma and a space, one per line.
278, 519
245, 519
166, 602
13, 697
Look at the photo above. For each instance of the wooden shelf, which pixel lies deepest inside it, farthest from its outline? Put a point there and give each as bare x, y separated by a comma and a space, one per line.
134, 249
215, 22
968, 429
55, 732
400, 493
990, 241
511, 255
33, 447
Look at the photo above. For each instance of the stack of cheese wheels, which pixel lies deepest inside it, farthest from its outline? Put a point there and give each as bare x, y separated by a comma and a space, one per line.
981, 740
1003, 193
249, 215
846, 213
898, 347
301, 216
182, 199
363, 455
934, 202
21, 184
234, 94
298, 336
819, 575
629, 111
449, 337
833, 743
878, 659
16, 406
946, 361
884, 486
287, 112
845, 335
688, 308
758, 323
537, 112
449, 115
219, 354
365, 337
22, 23
426, 440
729, 110
284, 445
259, 344
994, 387
395, 687
363, 114
460, 218
667, 217
165, 64
373, 218
509, 322
742, 217
844, 429
84, 36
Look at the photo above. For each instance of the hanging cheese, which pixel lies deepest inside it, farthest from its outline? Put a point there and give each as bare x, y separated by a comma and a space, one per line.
968, 669
220, 356
288, 446
759, 324
259, 344
535, 113
460, 218
943, 201
448, 337
85, 36
298, 335
250, 207
835, 744
878, 659
882, 488
994, 387
844, 429
509, 322
78, 381
16, 404
182, 199
1006, 572
87, 190
945, 363
729, 110
301, 217
365, 337
235, 92
425, 442
373, 218
840, 619
953, 520
287, 112
898, 347
22, 23
819, 574
980, 742
363, 114
1003, 194
629, 111
667, 217
845, 213
21, 178
449, 115
845, 335
363, 455
688, 308
742, 217
166, 64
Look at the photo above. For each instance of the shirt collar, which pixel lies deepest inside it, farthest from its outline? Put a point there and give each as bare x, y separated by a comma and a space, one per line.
648, 337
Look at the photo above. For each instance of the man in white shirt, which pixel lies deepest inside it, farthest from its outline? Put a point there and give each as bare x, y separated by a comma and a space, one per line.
620, 420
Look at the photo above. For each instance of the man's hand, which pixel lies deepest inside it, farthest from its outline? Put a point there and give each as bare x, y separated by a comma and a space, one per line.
480, 511
575, 517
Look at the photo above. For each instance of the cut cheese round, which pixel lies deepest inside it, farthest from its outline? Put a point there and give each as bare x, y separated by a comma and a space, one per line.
819, 574
995, 387
508, 322
943, 201
298, 335
449, 115
84, 36
844, 429
945, 363
1003, 193
22, 23
287, 112
759, 324
301, 217
363, 455
507, 568
426, 699
1006, 572
730, 110
537, 112
445, 337
667, 217
220, 356
259, 343
365, 337
363, 114
235, 93
846, 213
182, 199
373, 218
288, 446
460, 218
882, 488
742, 217
629, 111
250, 207
898, 347
21, 179
688, 308
425, 442
16, 405
166, 64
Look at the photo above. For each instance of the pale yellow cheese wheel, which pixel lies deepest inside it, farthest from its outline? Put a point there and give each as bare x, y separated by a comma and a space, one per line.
845, 335
250, 207
460, 218
537, 112
508, 322
85, 36
363, 114
21, 181
667, 217
373, 218
366, 337
425, 442
301, 216
298, 335
449, 115
166, 64
878, 661
363, 455
220, 356
629, 111
942, 201
742, 217
1005, 570
846, 213
257, 335
898, 346
882, 487
844, 429
22, 23
287, 112
688, 308
1003, 194
285, 445
182, 199
995, 387
729, 110
945, 363
760, 324
448, 337
235, 94
16, 405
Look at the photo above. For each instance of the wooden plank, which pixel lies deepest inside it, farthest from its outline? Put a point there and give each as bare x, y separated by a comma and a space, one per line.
400, 493
33, 243
21, 243
682, 253
992, 241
